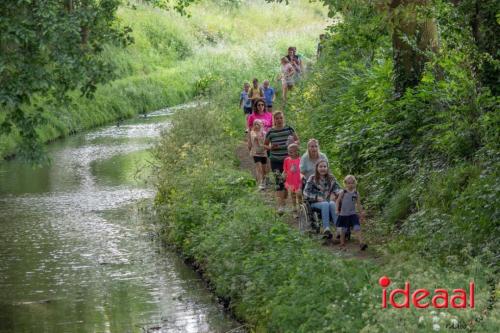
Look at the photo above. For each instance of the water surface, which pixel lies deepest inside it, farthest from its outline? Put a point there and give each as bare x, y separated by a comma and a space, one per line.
77, 246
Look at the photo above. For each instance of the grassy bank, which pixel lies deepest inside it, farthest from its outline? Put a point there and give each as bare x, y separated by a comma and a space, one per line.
175, 58
276, 280
273, 278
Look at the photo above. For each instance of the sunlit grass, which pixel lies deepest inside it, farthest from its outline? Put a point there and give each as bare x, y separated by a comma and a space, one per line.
217, 45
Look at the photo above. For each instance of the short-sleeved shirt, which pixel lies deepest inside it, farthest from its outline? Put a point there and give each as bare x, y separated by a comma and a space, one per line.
266, 117
292, 169
247, 103
256, 92
279, 137
348, 206
258, 148
307, 167
268, 95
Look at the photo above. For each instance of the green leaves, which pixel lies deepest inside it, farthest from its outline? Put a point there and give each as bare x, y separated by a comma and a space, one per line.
48, 48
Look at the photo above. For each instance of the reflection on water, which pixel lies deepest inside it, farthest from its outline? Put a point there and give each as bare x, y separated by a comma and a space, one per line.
75, 252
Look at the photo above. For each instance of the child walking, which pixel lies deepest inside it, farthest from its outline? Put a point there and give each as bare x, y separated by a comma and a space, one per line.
287, 75
291, 174
347, 201
245, 101
258, 152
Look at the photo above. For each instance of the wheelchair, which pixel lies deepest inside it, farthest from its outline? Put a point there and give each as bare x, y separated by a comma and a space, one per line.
309, 218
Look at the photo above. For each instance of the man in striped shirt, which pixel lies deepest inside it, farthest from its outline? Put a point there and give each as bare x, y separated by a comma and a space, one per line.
277, 140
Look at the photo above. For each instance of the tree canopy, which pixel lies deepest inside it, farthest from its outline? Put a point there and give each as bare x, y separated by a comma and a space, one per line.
48, 48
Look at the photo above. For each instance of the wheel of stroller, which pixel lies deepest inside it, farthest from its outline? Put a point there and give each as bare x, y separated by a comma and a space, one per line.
304, 220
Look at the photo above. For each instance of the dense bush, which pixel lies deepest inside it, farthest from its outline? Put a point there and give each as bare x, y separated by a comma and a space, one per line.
427, 160
273, 278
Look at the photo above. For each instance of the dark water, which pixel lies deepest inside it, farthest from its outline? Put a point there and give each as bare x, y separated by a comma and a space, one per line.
77, 248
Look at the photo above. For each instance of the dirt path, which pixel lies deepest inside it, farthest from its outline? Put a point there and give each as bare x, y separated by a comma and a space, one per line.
353, 251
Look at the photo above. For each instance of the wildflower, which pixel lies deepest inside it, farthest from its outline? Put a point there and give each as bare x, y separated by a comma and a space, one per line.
433, 313
421, 319
435, 319
454, 322
436, 327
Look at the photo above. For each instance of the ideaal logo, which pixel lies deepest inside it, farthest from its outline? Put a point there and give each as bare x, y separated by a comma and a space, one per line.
439, 300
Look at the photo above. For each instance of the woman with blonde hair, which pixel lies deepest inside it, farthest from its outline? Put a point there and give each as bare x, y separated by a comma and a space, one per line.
310, 158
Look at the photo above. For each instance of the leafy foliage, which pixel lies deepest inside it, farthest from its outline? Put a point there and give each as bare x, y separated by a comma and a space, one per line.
269, 275
47, 49
421, 157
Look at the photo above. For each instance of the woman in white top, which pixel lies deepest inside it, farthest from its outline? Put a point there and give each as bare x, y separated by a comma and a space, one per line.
310, 158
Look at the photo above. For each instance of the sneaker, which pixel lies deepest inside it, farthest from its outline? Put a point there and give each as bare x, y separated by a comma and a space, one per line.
262, 186
327, 233
363, 246
281, 210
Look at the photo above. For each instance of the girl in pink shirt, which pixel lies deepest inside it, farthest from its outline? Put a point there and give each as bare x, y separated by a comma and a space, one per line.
291, 173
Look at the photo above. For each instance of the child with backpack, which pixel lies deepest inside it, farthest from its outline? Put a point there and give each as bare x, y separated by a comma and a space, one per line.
347, 202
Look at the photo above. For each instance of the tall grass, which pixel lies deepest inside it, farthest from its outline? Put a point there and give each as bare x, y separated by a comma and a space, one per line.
176, 58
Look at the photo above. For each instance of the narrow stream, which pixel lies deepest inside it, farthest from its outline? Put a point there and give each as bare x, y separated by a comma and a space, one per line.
77, 248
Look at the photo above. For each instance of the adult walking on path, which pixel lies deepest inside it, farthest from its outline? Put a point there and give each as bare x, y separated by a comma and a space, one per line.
260, 112
296, 61
277, 140
310, 158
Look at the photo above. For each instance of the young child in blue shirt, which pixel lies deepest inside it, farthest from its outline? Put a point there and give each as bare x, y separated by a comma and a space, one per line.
245, 101
269, 95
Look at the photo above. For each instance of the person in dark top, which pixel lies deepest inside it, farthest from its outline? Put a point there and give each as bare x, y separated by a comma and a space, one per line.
296, 61
277, 140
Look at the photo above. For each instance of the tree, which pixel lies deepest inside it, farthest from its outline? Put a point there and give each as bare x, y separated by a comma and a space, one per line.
48, 48
414, 36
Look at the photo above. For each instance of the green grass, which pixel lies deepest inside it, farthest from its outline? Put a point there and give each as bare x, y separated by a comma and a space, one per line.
176, 58
273, 278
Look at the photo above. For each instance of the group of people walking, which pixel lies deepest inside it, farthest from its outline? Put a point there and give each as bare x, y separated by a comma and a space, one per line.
274, 147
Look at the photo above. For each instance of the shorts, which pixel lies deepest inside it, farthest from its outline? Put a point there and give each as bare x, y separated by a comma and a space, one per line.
261, 159
247, 110
277, 168
349, 221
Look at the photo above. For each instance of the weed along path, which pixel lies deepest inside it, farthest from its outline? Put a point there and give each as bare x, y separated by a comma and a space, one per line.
353, 251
